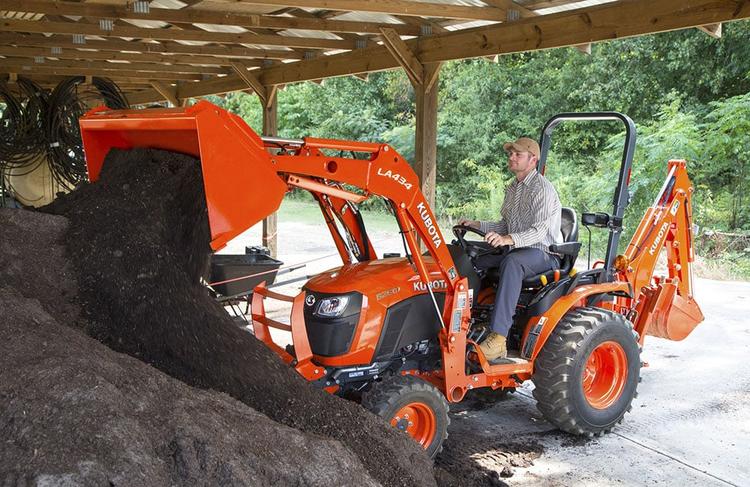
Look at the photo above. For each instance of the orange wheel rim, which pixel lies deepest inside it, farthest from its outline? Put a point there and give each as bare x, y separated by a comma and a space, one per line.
418, 420
605, 375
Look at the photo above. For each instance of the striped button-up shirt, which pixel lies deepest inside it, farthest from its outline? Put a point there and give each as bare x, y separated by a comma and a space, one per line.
530, 214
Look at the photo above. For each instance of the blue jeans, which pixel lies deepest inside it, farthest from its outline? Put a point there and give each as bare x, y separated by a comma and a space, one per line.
513, 268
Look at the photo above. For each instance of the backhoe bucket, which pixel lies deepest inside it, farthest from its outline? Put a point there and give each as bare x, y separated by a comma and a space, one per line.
672, 316
241, 184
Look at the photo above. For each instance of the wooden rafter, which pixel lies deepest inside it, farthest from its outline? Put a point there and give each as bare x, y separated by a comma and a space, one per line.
168, 92
405, 57
201, 15
267, 94
27, 69
107, 66
584, 48
191, 61
714, 30
605, 22
250, 79
397, 7
172, 34
117, 45
511, 5
155, 62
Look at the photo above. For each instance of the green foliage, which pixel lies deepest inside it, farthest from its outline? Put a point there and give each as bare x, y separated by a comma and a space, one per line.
688, 93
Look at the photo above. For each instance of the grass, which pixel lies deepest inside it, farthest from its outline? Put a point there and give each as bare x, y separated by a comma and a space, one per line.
307, 211
297, 210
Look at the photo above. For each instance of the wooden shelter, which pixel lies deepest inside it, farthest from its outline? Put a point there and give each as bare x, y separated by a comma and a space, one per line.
174, 50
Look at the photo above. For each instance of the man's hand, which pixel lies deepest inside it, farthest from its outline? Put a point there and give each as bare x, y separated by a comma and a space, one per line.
469, 223
497, 240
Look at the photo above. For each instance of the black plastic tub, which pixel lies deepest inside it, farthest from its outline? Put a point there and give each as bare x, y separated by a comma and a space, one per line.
230, 266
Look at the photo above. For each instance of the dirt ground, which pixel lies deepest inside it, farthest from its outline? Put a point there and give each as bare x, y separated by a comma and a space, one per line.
689, 425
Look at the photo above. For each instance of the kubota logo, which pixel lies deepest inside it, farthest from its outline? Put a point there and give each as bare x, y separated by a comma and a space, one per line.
431, 230
436, 284
659, 236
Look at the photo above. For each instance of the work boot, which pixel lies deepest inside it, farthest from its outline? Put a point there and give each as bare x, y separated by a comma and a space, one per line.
493, 347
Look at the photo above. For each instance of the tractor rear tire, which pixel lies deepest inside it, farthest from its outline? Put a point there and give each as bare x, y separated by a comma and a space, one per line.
586, 375
411, 405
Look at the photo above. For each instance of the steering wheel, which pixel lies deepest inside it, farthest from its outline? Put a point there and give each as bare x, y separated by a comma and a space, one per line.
473, 248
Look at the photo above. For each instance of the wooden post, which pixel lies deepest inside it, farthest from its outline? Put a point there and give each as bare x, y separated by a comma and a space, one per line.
270, 128
425, 138
423, 78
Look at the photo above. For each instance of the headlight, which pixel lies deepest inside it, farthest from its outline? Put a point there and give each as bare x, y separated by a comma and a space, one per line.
332, 307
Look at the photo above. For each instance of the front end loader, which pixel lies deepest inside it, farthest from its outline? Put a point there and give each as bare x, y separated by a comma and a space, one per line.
399, 334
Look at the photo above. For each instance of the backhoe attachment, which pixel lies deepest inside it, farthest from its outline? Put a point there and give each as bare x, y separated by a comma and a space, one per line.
665, 306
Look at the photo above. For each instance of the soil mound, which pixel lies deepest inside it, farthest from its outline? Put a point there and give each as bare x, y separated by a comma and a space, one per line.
73, 412
138, 244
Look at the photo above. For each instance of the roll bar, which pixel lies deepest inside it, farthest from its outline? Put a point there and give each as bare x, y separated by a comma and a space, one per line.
621, 196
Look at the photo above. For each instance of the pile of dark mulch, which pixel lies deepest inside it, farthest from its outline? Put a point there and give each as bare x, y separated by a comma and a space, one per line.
73, 412
138, 244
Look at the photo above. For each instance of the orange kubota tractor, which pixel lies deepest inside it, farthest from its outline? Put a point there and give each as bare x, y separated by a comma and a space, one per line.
399, 334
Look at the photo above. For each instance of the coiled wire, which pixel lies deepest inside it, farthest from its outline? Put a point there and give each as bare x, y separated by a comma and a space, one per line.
23, 106
71, 99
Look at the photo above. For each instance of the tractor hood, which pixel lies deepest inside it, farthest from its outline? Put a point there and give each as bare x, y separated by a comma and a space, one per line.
386, 281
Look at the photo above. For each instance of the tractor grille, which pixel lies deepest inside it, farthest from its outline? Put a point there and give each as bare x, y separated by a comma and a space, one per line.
329, 337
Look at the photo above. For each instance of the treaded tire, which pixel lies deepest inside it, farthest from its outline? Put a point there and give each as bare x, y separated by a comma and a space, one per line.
392, 394
561, 364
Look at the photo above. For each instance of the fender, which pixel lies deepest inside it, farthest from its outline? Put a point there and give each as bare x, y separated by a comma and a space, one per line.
539, 328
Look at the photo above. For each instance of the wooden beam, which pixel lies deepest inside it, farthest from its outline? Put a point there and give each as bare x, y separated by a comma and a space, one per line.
511, 5
251, 81
396, 7
31, 69
425, 137
117, 45
271, 92
601, 23
217, 13
403, 55
420, 22
171, 34
190, 61
107, 66
431, 74
604, 22
584, 48
53, 80
270, 128
714, 30
169, 93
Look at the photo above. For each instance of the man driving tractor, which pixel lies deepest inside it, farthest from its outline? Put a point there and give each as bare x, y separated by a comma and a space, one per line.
529, 224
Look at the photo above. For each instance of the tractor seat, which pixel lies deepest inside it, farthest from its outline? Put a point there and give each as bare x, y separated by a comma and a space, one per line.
568, 249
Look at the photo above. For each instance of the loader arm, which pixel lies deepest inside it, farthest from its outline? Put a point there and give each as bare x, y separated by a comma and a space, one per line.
244, 182
665, 306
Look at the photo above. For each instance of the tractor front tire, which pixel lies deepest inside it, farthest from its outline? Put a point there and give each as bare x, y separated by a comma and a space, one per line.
586, 375
413, 406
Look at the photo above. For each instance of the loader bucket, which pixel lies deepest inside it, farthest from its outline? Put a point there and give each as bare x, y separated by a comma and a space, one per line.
241, 184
